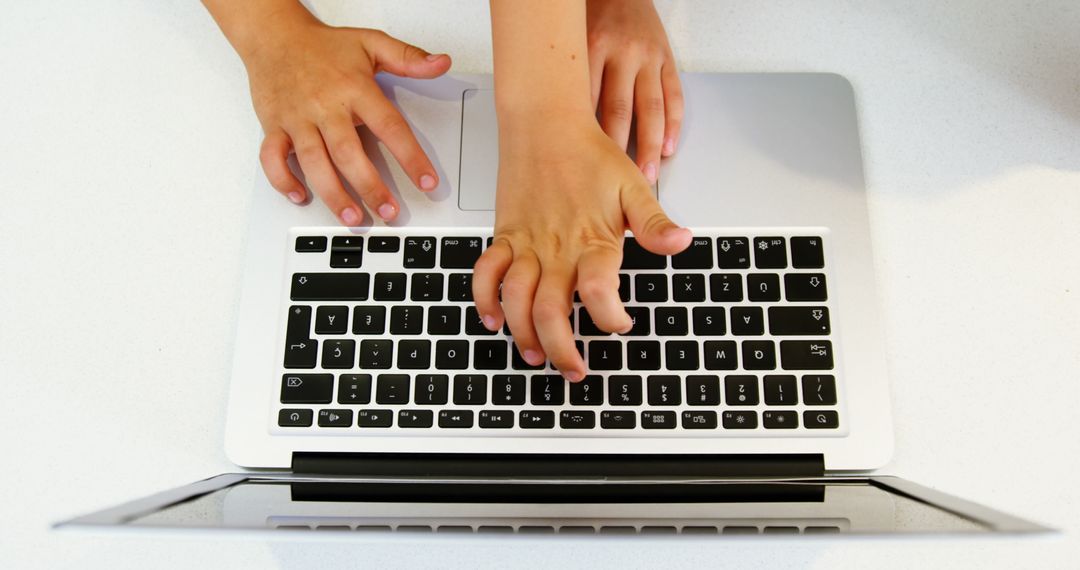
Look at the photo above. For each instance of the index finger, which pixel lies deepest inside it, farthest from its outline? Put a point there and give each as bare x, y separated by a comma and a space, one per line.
387, 123
551, 307
598, 285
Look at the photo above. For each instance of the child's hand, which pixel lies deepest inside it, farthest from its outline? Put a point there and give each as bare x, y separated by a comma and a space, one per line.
633, 75
566, 193
311, 85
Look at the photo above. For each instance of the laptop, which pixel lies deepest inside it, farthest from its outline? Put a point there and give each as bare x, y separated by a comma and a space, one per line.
749, 398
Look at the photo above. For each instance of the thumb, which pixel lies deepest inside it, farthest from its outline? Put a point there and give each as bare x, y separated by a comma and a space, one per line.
651, 226
402, 59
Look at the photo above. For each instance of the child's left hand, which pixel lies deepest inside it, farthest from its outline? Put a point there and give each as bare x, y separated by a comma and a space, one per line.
633, 75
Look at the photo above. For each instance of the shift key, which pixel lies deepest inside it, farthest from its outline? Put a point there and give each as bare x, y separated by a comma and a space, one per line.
330, 286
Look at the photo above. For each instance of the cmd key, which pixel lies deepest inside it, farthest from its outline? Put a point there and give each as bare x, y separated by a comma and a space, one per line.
460, 252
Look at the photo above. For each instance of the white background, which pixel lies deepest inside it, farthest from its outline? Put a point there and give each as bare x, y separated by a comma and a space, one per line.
127, 151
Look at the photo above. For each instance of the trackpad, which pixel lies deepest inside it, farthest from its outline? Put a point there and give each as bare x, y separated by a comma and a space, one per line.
479, 151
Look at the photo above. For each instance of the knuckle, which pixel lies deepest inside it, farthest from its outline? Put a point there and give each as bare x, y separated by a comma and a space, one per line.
596, 287
545, 310
392, 125
652, 104
308, 151
618, 109
654, 221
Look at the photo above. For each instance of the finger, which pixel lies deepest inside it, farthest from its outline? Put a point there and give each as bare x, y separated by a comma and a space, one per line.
596, 74
274, 156
321, 177
617, 103
651, 226
518, 291
387, 123
406, 60
488, 273
673, 107
598, 286
348, 155
550, 310
649, 112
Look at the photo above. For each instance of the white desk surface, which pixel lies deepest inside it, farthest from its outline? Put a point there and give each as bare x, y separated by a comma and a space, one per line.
127, 152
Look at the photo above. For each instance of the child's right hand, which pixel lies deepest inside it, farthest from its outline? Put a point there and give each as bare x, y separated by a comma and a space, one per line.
311, 85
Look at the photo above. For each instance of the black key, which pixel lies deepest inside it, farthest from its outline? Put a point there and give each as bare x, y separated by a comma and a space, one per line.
374, 418
741, 390
470, 389
375, 353
414, 354
346, 259
537, 419
605, 355
780, 391
702, 390
518, 363
740, 419
415, 418
721, 355
618, 419
643, 355
624, 287
455, 418
444, 319
821, 419
310, 244
489, 355
637, 257
664, 391
770, 253
588, 392
406, 320
697, 256
624, 390
426, 287
798, 320
332, 320
450, 354
299, 325
329, 287
805, 287
776, 419
586, 326
709, 321
295, 418
459, 288
419, 252
806, 355
688, 287
672, 321
577, 419
354, 389
640, 317
383, 244
369, 320
460, 252
347, 243
747, 321
335, 418
681, 355
758, 355
732, 253
658, 420
725, 287
508, 390
651, 287
763, 287
300, 350
473, 324
547, 390
339, 354
389, 287
497, 419
392, 389
307, 388
807, 253
699, 420
818, 389
431, 389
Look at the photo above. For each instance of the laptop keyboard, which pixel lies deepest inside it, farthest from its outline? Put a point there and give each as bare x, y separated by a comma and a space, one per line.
731, 338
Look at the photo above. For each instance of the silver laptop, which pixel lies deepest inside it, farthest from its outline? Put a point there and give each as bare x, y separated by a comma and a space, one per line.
749, 398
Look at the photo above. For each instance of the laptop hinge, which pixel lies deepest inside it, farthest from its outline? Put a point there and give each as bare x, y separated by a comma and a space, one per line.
556, 465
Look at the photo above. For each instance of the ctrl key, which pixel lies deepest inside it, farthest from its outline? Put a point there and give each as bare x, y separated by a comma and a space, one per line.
294, 418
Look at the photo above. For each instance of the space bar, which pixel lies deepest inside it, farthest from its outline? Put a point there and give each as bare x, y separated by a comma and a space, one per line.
329, 287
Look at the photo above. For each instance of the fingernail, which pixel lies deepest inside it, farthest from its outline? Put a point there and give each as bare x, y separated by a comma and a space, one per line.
427, 182
532, 357
296, 197
572, 375
489, 322
433, 56
387, 211
350, 217
650, 172
669, 147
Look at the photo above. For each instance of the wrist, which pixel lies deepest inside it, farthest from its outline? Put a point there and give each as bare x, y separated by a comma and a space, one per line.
254, 34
